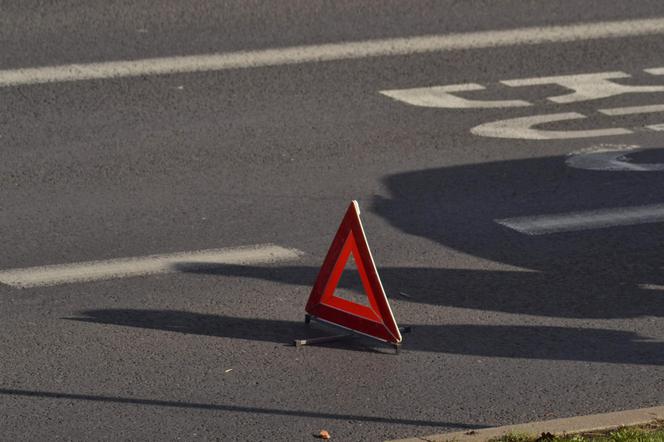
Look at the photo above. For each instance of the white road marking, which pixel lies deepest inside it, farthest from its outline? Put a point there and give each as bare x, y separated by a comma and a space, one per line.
631, 110
442, 97
656, 127
140, 266
586, 86
651, 287
592, 86
523, 128
655, 71
610, 157
594, 219
333, 51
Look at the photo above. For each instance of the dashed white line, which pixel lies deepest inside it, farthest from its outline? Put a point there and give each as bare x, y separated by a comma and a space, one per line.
333, 51
146, 265
594, 219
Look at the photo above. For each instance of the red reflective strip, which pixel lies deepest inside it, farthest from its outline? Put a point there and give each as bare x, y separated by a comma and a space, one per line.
376, 321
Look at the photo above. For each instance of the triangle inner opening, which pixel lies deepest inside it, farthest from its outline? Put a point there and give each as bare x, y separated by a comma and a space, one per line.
350, 287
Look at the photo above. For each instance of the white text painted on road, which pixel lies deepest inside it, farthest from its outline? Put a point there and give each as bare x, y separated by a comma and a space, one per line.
442, 97
332, 52
593, 219
586, 86
524, 127
632, 110
146, 265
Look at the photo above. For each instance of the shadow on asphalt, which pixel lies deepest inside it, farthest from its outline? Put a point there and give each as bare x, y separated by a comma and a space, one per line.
608, 273
230, 408
576, 295
530, 342
457, 207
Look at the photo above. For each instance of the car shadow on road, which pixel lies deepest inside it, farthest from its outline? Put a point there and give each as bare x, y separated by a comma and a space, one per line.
590, 272
577, 294
459, 207
597, 273
529, 342
604, 273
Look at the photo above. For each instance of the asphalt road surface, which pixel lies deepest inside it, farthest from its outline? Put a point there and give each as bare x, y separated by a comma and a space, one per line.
520, 216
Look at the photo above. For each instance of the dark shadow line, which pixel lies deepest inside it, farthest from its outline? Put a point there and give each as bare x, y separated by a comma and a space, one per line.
232, 408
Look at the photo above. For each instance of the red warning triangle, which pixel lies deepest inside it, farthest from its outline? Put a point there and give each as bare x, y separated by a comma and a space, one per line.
375, 320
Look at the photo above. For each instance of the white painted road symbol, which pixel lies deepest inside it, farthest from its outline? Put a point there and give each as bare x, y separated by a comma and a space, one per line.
583, 87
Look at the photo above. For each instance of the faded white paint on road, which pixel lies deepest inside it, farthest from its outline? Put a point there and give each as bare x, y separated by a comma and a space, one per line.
632, 110
586, 86
442, 97
655, 71
593, 219
140, 266
523, 128
333, 51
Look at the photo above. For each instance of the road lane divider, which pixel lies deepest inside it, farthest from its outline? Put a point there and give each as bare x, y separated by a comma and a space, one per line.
333, 52
89, 271
587, 220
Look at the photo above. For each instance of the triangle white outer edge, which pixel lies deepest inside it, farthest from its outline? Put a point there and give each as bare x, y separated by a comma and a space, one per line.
373, 263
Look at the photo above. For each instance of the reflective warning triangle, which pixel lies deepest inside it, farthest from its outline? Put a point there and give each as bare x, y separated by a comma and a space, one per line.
375, 320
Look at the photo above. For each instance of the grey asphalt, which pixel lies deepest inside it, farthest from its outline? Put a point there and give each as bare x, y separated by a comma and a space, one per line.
507, 328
